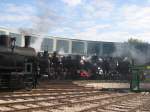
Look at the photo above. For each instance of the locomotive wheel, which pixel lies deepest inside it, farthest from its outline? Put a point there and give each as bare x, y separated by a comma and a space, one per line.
28, 83
15, 82
28, 87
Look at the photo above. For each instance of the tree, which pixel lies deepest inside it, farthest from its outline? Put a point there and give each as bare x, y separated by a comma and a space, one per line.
138, 44
135, 41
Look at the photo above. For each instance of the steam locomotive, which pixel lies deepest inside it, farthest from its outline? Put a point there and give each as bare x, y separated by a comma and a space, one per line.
18, 66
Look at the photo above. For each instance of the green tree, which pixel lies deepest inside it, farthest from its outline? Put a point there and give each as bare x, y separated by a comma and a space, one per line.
138, 44
135, 41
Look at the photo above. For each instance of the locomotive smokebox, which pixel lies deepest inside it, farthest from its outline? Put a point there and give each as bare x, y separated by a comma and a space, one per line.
27, 40
5, 40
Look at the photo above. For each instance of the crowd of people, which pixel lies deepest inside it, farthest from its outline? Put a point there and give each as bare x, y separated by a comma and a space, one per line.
60, 67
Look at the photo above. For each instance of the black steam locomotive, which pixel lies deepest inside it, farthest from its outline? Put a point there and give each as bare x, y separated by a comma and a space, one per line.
18, 67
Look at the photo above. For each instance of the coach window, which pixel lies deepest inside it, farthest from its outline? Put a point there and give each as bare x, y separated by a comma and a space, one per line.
47, 44
78, 47
93, 48
62, 46
2, 32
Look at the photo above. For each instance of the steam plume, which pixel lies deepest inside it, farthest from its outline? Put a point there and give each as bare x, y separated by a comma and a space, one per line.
131, 52
42, 23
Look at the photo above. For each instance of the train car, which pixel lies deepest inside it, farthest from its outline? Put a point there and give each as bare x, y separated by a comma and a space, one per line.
18, 67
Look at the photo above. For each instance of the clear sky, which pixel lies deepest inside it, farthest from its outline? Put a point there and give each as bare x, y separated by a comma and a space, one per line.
106, 20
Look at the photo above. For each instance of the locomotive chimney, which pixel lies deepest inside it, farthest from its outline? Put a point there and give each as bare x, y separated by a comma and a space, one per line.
27, 40
5, 40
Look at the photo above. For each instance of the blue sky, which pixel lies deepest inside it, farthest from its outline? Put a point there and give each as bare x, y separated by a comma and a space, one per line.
102, 20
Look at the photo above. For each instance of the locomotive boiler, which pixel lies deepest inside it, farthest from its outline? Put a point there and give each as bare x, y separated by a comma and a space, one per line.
18, 67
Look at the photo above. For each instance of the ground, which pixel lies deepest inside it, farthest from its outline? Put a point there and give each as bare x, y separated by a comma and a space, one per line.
75, 96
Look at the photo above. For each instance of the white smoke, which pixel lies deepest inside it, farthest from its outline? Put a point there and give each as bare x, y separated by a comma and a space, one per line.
128, 50
37, 44
61, 51
42, 23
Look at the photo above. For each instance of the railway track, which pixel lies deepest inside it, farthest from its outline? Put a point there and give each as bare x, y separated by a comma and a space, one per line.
58, 102
52, 98
131, 104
